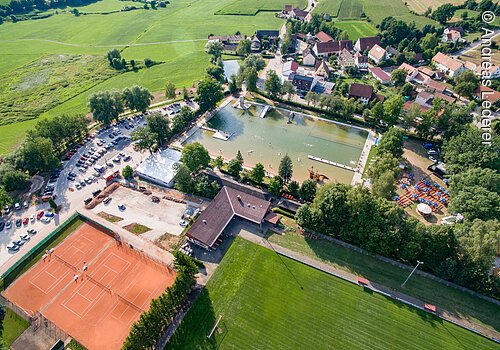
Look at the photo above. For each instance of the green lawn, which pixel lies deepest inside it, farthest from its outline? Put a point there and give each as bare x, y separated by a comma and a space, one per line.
357, 29
271, 302
331, 7
252, 7
463, 304
350, 9
13, 326
175, 35
377, 10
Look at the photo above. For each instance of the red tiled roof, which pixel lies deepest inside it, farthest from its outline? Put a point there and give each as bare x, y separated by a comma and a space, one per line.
334, 46
368, 43
436, 85
380, 74
323, 37
447, 61
361, 90
486, 93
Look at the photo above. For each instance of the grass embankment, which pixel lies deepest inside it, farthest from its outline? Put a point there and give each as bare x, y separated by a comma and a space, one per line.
37, 255
13, 326
271, 302
451, 299
252, 7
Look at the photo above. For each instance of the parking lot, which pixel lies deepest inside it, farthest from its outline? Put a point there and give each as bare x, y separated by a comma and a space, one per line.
161, 217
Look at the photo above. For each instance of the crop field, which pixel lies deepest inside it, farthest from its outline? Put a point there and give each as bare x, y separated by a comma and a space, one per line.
377, 10
271, 302
420, 6
331, 7
175, 36
350, 9
252, 7
357, 29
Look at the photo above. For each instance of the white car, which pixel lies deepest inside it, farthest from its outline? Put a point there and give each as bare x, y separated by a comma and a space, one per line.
432, 159
25, 237
46, 219
183, 223
32, 218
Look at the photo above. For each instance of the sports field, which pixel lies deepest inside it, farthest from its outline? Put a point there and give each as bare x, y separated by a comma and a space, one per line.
271, 302
175, 36
100, 306
357, 29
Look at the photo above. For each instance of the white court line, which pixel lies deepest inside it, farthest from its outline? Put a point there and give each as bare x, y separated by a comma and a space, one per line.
89, 306
127, 263
52, 286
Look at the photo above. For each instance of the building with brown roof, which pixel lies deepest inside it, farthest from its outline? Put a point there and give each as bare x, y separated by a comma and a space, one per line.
331, 47
346, 59
321, 69
228, 203
323, 37
448, 65
379, 74
361, 92
377, 54
360, 61
363, 44
485, 93
298, 14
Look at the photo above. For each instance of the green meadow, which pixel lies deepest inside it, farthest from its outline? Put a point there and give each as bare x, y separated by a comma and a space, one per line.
357, 29
252, 7
174, 36
268, 301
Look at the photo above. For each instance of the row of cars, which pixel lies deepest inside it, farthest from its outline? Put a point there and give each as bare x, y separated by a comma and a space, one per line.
41, 216
432, 152
16, 244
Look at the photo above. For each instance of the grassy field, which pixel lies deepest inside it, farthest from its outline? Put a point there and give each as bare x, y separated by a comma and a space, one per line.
271, 302
331, 7
357, 29
252, 7
36, 87
420, 6
377, 10
350, 9
175, 35
13, 326
453, 300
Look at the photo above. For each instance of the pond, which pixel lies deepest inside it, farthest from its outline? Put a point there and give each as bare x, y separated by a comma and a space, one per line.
267, 140
231, 67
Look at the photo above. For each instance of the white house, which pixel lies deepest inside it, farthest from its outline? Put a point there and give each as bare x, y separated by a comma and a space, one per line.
377, 54
308, 58
448, 65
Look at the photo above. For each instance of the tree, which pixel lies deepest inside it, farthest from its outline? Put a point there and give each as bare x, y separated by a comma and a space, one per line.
444, 13
127, 172
398, 77
480, 240
286, 168
276, 186
251, 77
466, 83
377, 111
144, 139
393, 107
5, 199
169, 90
430, 41
38, 154
465, 151
214, 48
384, 185
313, 97
234, 168
233, 85
258, 173
209, 93
159, 125
216, 72
391, 142
293, 188
106, 106
288, 89
148, 62
474, 193
137, 98
12, 178
406, 89
306, 217
239, 157
183, 179
195, 156
185, 94
414, 112
218, 162
273, 84
115, 59
244, 48
307, 190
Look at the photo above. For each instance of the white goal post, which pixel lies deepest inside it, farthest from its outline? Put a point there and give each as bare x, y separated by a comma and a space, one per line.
215, 327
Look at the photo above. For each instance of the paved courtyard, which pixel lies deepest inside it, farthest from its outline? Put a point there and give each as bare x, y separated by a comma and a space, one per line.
161, 218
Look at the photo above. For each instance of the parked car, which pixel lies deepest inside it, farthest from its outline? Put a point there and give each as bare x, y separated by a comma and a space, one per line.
8, 225
432, 159
432, 152
78, 186
106, 200
2, 225
46, 220
17, 206
26, 221
19, 222
155, 199
39, 215
12, 247
6, 209
121, 207
32, 218
32, 231
25, 237
87, 200
183, 223
18, 242
49, 214
96, 193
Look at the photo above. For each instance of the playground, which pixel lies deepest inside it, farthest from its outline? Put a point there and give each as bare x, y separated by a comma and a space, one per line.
91, 286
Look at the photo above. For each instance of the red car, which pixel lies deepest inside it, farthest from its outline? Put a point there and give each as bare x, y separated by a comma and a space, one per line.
25, 221
39, 215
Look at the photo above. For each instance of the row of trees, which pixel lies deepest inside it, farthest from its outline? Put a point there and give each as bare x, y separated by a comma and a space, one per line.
107, 105
116, 61
145, 332
462, 253
15, 7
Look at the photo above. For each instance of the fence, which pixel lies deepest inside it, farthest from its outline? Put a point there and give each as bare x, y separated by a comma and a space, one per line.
41, 323
20, 312
15, 270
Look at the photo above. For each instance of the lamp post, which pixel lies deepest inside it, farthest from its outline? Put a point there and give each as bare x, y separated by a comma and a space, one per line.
412, 271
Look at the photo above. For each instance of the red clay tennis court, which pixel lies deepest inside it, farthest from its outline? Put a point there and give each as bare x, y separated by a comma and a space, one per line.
100, 306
